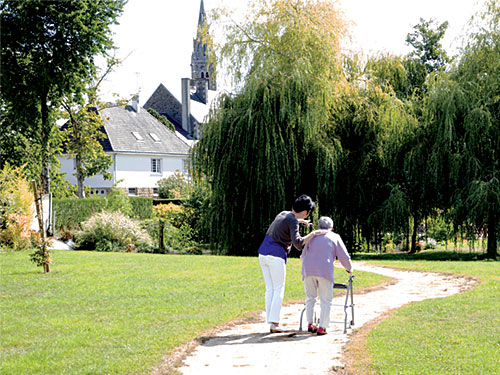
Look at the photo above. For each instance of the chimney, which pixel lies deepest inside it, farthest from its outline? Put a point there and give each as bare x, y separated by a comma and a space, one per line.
186, 105
135, 103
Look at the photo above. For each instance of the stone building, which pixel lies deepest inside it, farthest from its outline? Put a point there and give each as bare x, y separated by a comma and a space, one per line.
203, 78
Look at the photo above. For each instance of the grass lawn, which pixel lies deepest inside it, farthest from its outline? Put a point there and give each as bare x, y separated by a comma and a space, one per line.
119, 313
454, 335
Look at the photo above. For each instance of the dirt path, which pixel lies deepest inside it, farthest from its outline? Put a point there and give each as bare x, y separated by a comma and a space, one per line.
250, 349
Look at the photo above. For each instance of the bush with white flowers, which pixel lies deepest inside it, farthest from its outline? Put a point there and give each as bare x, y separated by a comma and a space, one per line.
112, 231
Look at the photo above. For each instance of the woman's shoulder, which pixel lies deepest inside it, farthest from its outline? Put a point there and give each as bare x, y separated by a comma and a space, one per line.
333, 236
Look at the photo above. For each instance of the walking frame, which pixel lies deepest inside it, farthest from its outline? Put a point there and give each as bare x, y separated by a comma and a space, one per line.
349, 303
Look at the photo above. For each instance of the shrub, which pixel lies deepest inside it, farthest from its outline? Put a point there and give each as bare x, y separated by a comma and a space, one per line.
172, 213
16, 213
178, 239
174, 187
118, 200
142, 207
112, 231
70, 212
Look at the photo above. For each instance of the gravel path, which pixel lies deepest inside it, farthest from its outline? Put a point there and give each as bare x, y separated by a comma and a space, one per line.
251, 349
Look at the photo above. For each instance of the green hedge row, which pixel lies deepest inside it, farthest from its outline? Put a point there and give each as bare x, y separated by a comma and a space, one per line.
70, 212
142, 207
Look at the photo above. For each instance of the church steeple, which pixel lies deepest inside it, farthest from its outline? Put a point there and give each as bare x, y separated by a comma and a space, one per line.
202, 70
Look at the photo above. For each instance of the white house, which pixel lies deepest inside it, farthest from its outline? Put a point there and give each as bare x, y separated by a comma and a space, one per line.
143, 150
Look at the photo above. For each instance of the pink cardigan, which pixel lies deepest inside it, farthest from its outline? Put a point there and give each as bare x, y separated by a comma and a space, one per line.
319, 255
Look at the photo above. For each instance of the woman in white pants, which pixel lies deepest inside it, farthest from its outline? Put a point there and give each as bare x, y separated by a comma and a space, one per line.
318, 258
283, 232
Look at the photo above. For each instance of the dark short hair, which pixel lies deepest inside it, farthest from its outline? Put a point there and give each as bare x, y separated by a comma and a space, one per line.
304, 202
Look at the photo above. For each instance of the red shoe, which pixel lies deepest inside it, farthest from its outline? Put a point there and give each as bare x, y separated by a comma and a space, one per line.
321, 331
312, 328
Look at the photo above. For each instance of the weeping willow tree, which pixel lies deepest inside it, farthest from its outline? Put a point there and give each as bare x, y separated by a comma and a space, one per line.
262, 146
463, 113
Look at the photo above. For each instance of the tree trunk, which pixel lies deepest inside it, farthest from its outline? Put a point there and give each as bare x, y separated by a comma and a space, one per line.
79, 178
492, 236
414, 234
45, 139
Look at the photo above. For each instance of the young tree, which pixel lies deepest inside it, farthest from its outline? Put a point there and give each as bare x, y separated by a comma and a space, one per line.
48, 51
85, 130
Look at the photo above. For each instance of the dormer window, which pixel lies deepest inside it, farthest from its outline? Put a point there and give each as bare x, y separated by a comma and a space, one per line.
202, 75
155, 137
137, 136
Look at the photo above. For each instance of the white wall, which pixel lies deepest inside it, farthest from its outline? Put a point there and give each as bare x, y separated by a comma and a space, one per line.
135, 170
68, 167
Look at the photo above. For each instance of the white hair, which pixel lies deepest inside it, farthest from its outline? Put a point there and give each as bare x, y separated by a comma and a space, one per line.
325, 222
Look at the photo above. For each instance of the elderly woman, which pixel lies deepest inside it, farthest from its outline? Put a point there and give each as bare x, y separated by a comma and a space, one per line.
317, 258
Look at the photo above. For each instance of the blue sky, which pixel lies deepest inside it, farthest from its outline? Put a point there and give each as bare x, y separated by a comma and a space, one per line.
157, 36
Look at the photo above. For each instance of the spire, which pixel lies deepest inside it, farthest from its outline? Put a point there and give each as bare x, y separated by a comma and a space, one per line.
201, 17
202, 72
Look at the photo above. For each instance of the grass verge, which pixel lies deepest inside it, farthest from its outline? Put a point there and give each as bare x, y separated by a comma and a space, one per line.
454, 335
118, 313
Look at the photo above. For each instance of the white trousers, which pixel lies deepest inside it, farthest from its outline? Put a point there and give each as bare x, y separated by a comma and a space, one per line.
314, 285
274, 272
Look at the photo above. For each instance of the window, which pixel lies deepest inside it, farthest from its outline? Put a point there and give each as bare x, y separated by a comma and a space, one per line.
185, 165
155, 137
156, 165
155, 192
132, 191
138, 136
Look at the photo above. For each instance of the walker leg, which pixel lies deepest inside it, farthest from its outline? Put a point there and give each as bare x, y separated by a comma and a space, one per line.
301, 315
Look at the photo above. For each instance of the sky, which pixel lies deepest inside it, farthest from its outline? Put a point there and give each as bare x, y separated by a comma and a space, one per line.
155, 38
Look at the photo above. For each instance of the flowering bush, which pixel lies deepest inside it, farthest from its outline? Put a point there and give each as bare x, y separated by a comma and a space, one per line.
172, 213
112, 231
16, 213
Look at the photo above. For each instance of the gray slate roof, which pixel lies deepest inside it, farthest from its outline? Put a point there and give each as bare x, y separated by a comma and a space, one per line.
121, 122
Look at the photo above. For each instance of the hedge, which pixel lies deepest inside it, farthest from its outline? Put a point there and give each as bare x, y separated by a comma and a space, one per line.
70, 212
142, 207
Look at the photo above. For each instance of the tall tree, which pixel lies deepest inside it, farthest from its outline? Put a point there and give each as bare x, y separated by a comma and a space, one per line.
48, 51
259, 142
409, 160
463, 113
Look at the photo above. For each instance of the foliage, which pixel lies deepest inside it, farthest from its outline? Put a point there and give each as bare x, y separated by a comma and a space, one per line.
161, 118
112, 231
41, 256
426, 41
118, 200
48, 52
141, 207
260, 147
83, 133
170, 212
16, 214
70, 212
463, 117
176, 186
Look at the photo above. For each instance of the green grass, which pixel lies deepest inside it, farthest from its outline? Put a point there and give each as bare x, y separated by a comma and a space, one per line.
454, 335
116, 313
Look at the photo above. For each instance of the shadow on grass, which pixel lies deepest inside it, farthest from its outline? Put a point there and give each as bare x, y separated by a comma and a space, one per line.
423, 255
